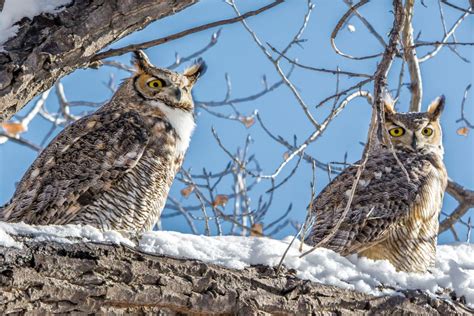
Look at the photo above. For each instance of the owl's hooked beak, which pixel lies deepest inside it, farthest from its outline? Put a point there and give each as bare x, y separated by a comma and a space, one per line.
178, 94
414, 142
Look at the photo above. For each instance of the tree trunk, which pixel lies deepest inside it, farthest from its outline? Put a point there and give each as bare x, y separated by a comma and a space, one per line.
52, 46
49, 277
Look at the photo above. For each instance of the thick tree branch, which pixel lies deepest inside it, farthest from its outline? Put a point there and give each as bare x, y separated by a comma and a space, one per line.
48, 277
34, 60
411, 59
50, 47
380, 76
465, 199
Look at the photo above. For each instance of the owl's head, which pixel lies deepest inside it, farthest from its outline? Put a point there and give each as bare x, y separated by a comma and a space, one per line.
159, 84
414, 131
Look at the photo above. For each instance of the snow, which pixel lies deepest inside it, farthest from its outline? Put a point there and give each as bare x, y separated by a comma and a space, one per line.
454, 268
63, 234
15, 10
351, 28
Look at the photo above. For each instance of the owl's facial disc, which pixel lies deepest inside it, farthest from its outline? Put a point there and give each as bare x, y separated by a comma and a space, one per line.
170, 91
171, 88
413, 134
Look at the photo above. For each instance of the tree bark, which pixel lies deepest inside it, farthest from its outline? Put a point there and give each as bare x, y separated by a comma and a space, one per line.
49, 277
52, 46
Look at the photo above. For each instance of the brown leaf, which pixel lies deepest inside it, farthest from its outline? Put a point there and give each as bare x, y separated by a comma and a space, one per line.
463, 131
220, 199
286, 155
13, 128
248, 121
187, 190
257, 230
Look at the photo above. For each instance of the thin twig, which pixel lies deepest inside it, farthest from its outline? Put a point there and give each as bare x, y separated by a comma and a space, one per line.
338, 27
367, 24
440, 44
468, 11
144, 45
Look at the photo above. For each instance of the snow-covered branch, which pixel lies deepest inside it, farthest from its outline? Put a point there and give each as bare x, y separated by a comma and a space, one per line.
32, 61
78, 269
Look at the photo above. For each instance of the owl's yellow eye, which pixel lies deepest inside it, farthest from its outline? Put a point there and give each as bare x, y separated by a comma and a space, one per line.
396, 132
156, 83
427, 131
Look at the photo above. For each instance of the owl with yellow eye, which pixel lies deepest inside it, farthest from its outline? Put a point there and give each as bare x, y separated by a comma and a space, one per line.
113, 168
394, 212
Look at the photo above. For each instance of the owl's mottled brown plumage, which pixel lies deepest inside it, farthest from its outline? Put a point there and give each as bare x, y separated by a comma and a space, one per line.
113, 169
390, 217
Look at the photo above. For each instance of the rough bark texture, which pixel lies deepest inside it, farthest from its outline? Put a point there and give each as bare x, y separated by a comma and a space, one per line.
51, 46
48, 277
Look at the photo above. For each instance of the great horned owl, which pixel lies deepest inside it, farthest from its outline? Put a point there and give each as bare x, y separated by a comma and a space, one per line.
113, 169
392, 216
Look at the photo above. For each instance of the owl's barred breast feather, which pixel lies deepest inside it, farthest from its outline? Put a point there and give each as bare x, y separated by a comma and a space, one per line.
393, 214
113, 169
84, 159
107, 170
390, 216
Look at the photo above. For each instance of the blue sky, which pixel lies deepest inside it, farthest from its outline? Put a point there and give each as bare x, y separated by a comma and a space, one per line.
238, 56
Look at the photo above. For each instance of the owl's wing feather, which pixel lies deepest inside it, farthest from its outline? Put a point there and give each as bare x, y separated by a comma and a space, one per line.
383, 198
82, 161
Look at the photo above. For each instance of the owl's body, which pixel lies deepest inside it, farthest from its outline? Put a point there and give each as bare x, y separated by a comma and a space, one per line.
390, 217
113, 169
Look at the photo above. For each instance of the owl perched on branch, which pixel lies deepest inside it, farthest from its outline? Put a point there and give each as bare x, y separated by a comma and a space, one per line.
397, 201
113, 169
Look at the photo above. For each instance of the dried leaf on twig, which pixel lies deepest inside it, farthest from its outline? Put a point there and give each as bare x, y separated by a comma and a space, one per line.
220, 199
248, 121
257, 230
14, 128
187, 190
463, 131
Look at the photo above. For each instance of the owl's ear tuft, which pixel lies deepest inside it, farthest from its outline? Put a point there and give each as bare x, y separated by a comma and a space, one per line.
195, 71
388, 104
436, 107
141, 61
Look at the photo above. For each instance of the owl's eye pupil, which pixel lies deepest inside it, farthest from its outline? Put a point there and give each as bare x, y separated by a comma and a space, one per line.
427, 131
156, 83
396, 131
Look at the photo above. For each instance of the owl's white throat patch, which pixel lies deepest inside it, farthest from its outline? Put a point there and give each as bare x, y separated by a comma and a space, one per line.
182, 122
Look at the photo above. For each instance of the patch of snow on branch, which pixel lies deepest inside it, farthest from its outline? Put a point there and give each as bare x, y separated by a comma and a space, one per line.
62, 234
454, 268
15, 10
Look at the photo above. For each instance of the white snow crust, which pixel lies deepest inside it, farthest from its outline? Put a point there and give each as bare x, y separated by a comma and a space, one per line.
15, 10
454, 268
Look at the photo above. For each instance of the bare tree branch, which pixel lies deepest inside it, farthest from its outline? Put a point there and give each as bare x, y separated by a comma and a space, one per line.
367, 24
90, 278
338, 27
440, 44
411, 59
469, 10
144, 45
465, 199
67, 41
